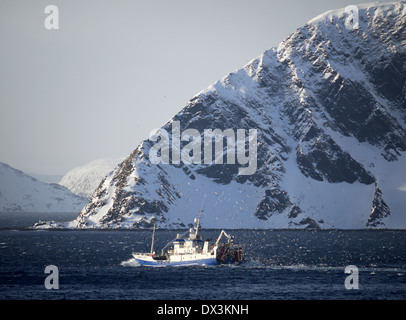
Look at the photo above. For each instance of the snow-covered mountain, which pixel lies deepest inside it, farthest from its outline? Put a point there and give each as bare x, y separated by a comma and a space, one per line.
84, 180
329, 106
22, 193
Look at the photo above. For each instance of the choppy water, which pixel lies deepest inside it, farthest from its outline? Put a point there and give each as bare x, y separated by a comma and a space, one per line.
279, 264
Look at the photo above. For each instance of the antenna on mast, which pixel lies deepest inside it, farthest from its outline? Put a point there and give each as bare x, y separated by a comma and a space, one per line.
153, 238
197, 220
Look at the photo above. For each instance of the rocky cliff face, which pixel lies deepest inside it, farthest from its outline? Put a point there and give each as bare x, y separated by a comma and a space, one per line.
329, 107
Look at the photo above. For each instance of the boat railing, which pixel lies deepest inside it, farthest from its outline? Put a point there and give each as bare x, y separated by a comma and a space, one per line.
143, 253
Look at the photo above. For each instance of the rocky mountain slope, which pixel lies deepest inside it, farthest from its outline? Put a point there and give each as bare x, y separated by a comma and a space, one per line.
22, 193
329, 106
84, 180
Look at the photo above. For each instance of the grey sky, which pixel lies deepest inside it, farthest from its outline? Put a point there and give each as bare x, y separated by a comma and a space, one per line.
115, 70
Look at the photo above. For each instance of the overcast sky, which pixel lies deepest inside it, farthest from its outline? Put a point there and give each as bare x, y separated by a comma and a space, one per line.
115, 70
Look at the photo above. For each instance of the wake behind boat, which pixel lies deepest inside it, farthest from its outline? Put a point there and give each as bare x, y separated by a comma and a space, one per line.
192, 250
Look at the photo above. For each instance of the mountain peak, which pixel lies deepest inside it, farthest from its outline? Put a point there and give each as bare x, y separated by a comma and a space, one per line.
341, 14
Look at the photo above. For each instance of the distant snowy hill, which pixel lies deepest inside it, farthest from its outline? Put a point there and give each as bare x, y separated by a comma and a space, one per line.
22, 193
84, 180
48, 178
329, 105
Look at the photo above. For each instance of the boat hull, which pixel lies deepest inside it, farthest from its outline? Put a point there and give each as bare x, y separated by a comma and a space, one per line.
149, 261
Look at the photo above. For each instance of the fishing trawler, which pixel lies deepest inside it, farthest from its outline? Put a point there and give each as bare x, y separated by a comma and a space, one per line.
192, 250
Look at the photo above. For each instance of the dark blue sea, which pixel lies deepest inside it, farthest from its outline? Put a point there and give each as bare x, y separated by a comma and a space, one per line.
279, 264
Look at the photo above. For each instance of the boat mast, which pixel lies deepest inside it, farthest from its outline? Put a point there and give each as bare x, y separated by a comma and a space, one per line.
153, 237
197, 221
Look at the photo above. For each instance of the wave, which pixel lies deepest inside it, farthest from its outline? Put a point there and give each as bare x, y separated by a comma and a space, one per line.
130, 263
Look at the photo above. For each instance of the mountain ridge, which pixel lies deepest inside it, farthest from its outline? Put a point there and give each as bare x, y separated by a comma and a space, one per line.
83, 180
20, 192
